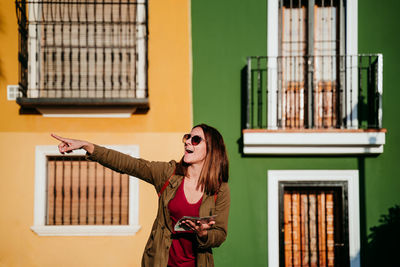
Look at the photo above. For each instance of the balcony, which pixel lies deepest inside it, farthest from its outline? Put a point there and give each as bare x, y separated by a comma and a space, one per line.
82, 58
314, 105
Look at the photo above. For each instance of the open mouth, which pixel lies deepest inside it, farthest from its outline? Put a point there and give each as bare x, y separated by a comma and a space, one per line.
189, 151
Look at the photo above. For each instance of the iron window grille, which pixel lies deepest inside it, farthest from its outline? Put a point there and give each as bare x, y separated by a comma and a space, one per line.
81, 192
313, 224
311, 81
83, 53
76, 197
329, 101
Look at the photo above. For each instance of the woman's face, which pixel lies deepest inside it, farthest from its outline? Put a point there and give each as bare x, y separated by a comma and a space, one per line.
195, 153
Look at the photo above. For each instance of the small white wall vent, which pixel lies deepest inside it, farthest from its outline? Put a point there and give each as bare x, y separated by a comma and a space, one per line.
13, 92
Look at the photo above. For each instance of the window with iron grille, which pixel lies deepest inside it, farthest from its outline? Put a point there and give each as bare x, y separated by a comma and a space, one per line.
313, 218
81, 192
313, 92
87, 53
313, 77
313, 223
74, 196
311, 40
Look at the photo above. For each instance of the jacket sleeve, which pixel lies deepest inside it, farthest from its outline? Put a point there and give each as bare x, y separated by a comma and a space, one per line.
150, 171
217, 234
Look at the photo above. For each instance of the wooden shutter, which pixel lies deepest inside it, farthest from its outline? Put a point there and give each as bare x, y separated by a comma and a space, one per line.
326, 49
311, 226
308, 93
80, 192
292, 65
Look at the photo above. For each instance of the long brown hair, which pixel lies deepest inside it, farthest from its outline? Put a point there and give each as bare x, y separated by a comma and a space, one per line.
216, 166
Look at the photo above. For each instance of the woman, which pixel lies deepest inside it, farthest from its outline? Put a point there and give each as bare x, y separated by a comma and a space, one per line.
195, 186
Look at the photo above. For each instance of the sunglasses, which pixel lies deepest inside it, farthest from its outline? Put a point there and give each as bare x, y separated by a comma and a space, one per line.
195, 139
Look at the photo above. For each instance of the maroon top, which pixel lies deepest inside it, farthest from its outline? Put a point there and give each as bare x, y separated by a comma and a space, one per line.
182, 251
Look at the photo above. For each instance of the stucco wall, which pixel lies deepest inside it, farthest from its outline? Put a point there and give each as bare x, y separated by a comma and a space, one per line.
224, 34
157, 133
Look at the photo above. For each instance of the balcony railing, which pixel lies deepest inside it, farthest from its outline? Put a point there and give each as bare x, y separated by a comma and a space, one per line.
83, 54
314, 92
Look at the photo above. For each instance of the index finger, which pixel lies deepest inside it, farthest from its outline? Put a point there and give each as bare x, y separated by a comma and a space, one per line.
59, 138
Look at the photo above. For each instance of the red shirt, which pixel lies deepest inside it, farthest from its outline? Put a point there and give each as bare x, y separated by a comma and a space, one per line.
182, 251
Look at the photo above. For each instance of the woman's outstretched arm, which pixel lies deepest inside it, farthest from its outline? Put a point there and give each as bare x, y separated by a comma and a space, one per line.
150, 171
68, 145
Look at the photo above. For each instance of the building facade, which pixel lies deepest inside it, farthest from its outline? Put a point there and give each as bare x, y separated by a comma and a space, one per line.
116, 73
306, 107
290, 84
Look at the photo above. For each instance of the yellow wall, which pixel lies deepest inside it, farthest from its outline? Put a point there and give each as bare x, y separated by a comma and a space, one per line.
158, 134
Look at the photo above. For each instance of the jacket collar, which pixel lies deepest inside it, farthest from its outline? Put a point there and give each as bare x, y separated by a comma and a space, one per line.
175, 180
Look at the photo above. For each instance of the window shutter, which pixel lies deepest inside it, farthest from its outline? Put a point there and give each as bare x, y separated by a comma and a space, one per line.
308, 90
85, 193
309, 230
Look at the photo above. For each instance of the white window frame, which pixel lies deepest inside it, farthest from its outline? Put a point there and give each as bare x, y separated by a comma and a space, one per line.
273, 52
40, 226
141, 63
273, 141
348, 176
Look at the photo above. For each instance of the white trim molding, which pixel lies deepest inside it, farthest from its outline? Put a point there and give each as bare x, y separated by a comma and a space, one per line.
40, 227
92, 113
351, 49
273, 52
352, 62
350, 177
313, 142
141, 74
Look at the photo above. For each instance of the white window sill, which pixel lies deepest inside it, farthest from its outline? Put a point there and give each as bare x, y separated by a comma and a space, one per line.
86, 230
313, 142
39, 225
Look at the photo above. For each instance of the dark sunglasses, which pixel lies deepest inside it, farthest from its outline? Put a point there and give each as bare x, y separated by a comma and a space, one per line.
195, 139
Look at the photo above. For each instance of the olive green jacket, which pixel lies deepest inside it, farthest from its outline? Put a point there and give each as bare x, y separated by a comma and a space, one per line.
156, 251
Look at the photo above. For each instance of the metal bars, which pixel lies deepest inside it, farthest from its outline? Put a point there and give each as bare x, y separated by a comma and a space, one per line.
313, 221
308, 27
85, 193
82, 49
335, 103
309, 228
22, 46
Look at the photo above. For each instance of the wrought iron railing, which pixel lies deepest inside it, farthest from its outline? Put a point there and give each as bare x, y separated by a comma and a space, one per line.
314, 92
22, 45
82, 49
80, 192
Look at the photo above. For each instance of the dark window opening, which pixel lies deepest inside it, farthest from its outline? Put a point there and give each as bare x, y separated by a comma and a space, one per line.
313, 225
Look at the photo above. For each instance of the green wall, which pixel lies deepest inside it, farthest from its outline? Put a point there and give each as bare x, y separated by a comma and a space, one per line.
224, 33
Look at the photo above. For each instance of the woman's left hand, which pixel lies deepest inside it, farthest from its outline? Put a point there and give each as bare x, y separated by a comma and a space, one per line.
198, 227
